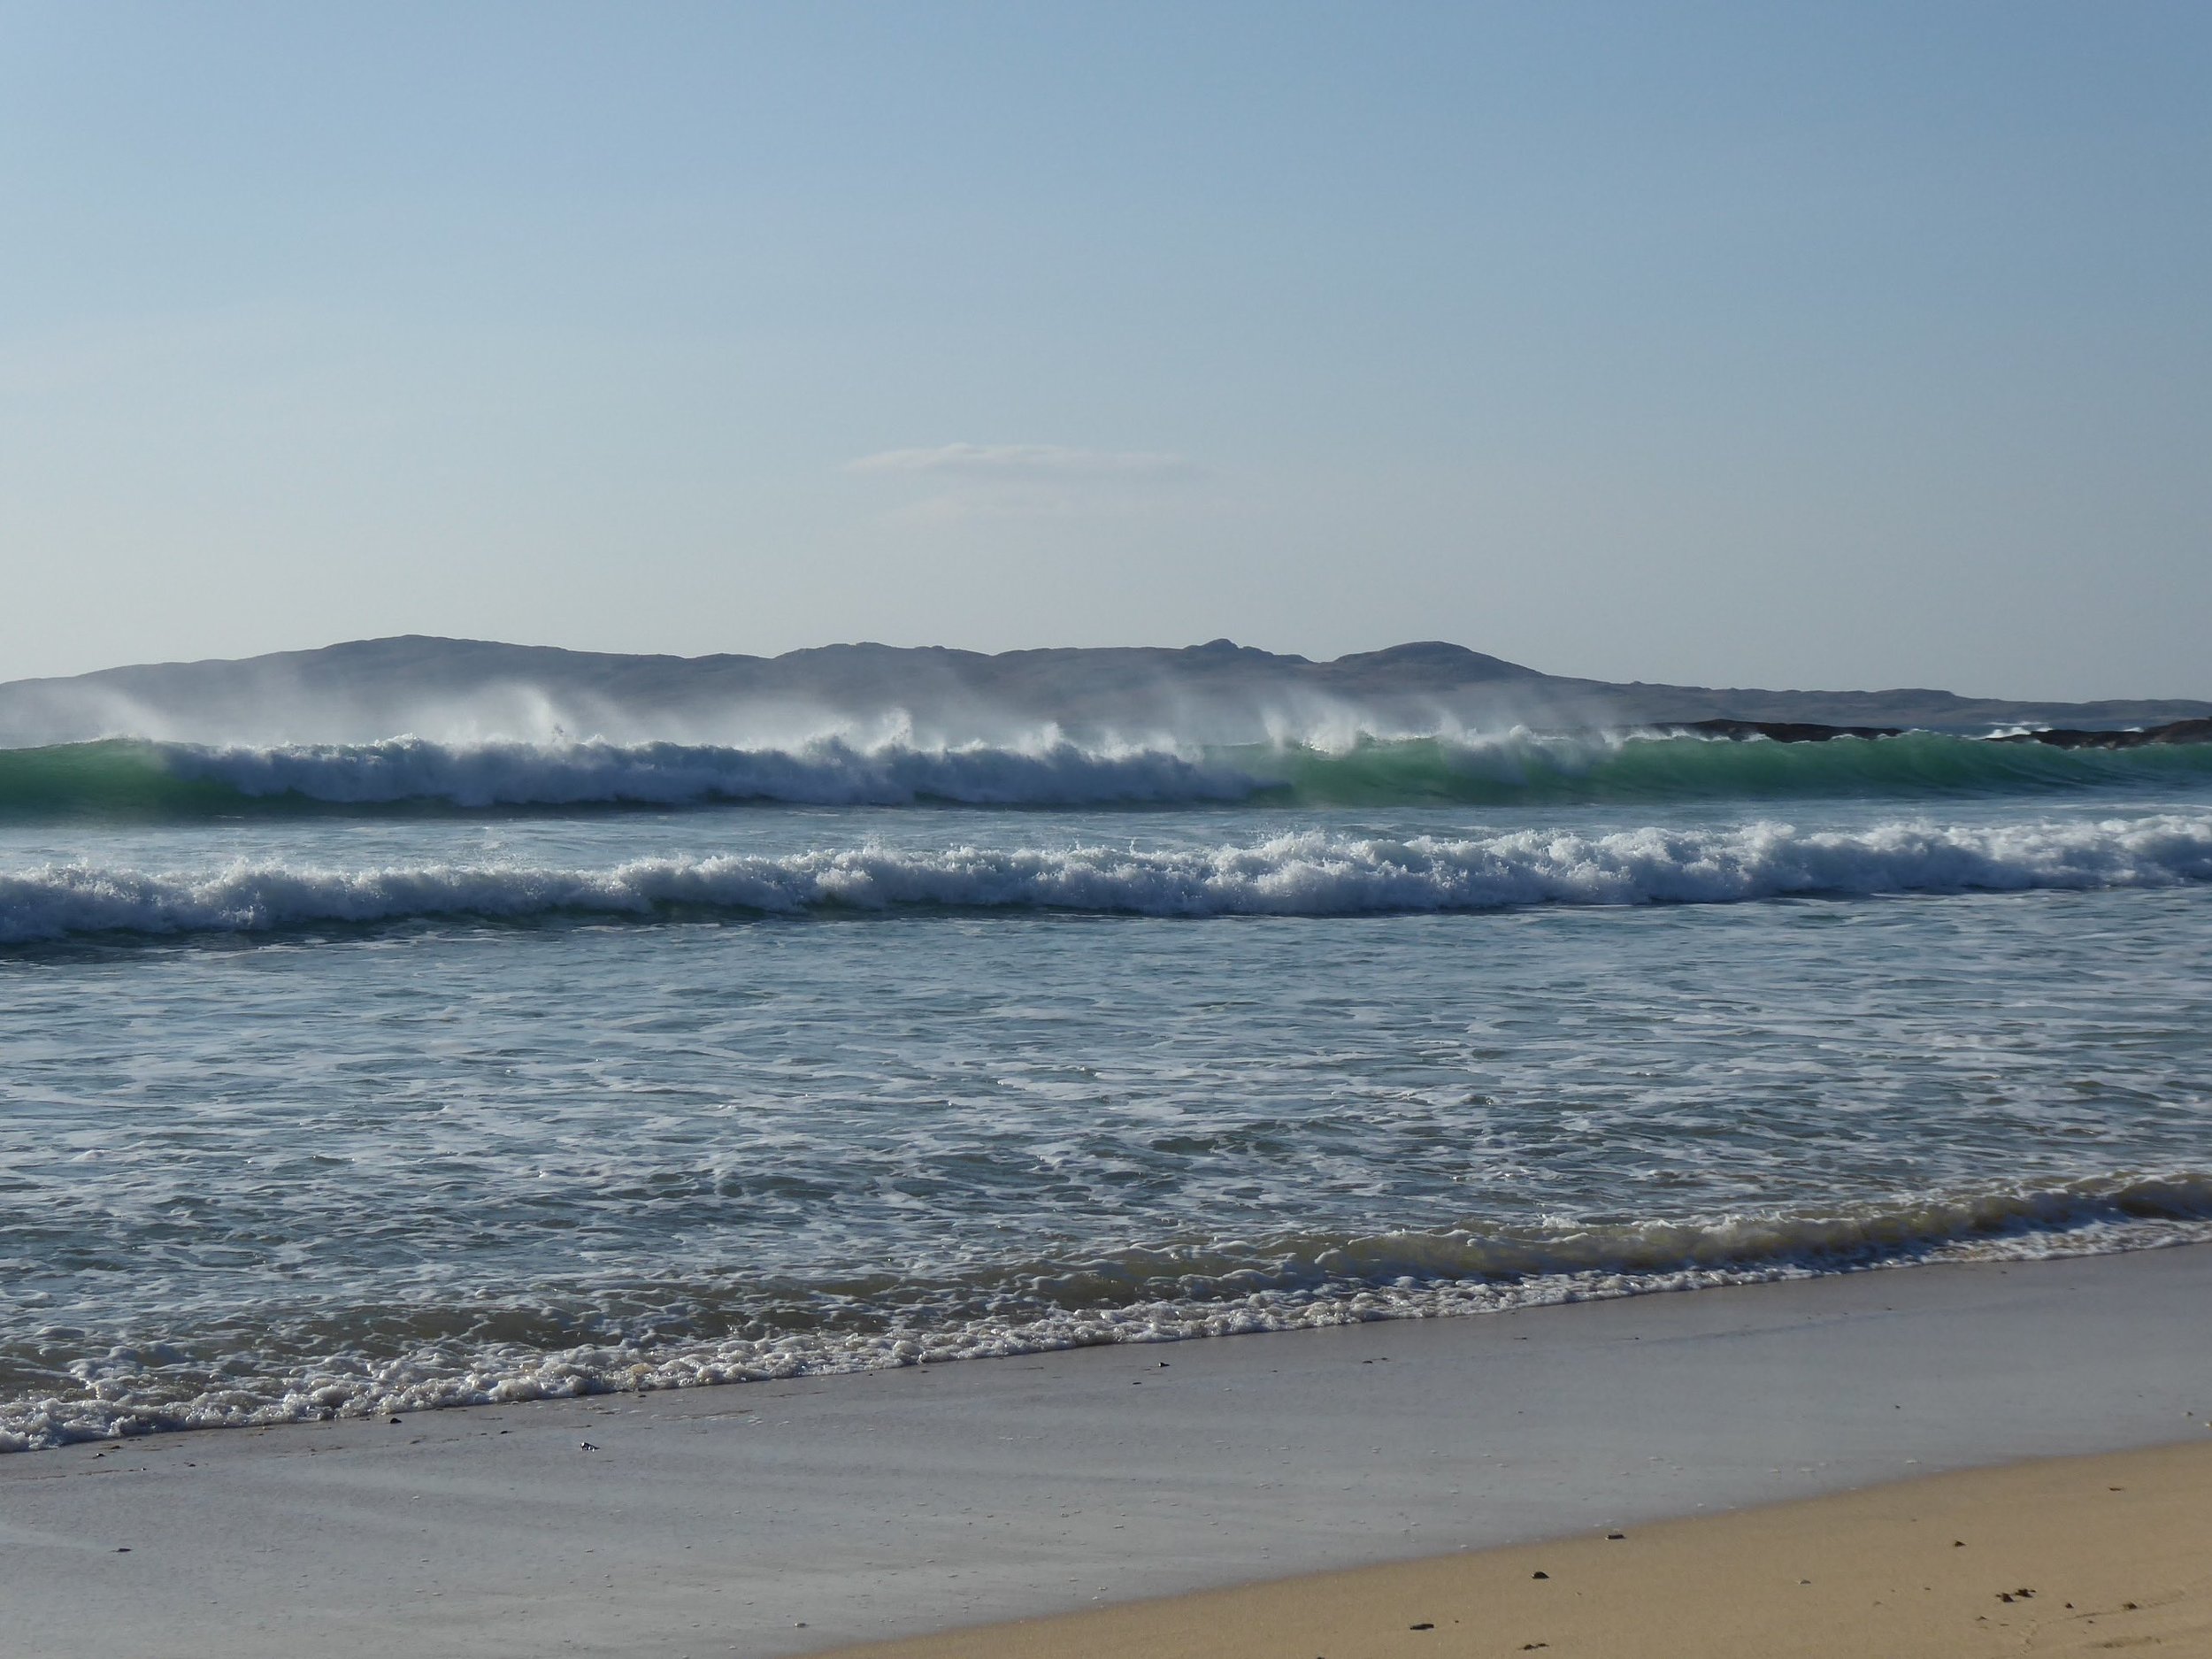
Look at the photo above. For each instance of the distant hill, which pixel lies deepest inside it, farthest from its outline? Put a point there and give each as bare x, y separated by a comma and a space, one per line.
456, 688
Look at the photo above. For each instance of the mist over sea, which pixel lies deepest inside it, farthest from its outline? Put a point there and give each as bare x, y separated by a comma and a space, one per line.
350, 1077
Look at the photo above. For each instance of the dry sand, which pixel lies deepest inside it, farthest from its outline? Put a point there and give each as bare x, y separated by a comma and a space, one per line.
789, 1517
2102, 1554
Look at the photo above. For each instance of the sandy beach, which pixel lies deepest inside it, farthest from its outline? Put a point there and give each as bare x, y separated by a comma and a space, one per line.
788, 1517
2069, 1555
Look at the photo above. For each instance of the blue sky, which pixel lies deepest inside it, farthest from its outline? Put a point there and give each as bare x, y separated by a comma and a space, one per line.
1765, 343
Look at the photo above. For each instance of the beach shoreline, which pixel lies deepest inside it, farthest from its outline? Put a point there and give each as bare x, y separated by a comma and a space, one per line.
785, 1518
2055, 1556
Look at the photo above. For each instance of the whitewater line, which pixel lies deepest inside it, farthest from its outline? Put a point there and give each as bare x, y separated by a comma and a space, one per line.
1311, 873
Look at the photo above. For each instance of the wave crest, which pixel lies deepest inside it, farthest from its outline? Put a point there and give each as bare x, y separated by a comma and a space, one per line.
1311, 873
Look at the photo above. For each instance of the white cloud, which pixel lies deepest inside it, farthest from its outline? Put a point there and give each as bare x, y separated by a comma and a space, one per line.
1020, 461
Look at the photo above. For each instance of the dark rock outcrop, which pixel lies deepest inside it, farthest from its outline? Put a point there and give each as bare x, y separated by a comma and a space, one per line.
2191, 731
1782, 731
2195, 731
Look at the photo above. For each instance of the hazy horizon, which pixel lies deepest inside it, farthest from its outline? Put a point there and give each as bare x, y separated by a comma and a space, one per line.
1725, 345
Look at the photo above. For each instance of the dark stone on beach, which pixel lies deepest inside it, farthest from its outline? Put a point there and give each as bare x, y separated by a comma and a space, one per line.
1617, 1535
1420, 1627
1540, 1575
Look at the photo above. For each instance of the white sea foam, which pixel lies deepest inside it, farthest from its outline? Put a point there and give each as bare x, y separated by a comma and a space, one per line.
1150, 1296
1310, 873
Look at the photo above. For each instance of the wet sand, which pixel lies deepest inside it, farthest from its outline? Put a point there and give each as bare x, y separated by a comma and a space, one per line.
785, 1518
2079, 1555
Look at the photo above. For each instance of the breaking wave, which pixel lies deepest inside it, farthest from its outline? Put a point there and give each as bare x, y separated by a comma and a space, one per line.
1309, 873
146, 780
324, 1364
141, 780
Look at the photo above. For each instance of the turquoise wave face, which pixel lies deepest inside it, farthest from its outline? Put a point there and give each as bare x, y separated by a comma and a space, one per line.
133, 781
1515, 771
119, 779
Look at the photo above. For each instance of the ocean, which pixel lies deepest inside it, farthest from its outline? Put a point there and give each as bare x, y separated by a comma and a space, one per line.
371, 1079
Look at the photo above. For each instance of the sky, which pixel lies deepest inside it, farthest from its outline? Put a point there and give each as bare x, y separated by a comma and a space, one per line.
1772, 343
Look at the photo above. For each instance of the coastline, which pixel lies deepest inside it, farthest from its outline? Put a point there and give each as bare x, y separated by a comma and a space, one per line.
2062, 1556
784, 1517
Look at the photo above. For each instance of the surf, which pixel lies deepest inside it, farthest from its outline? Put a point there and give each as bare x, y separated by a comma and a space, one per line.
318, 1365
1309, 873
